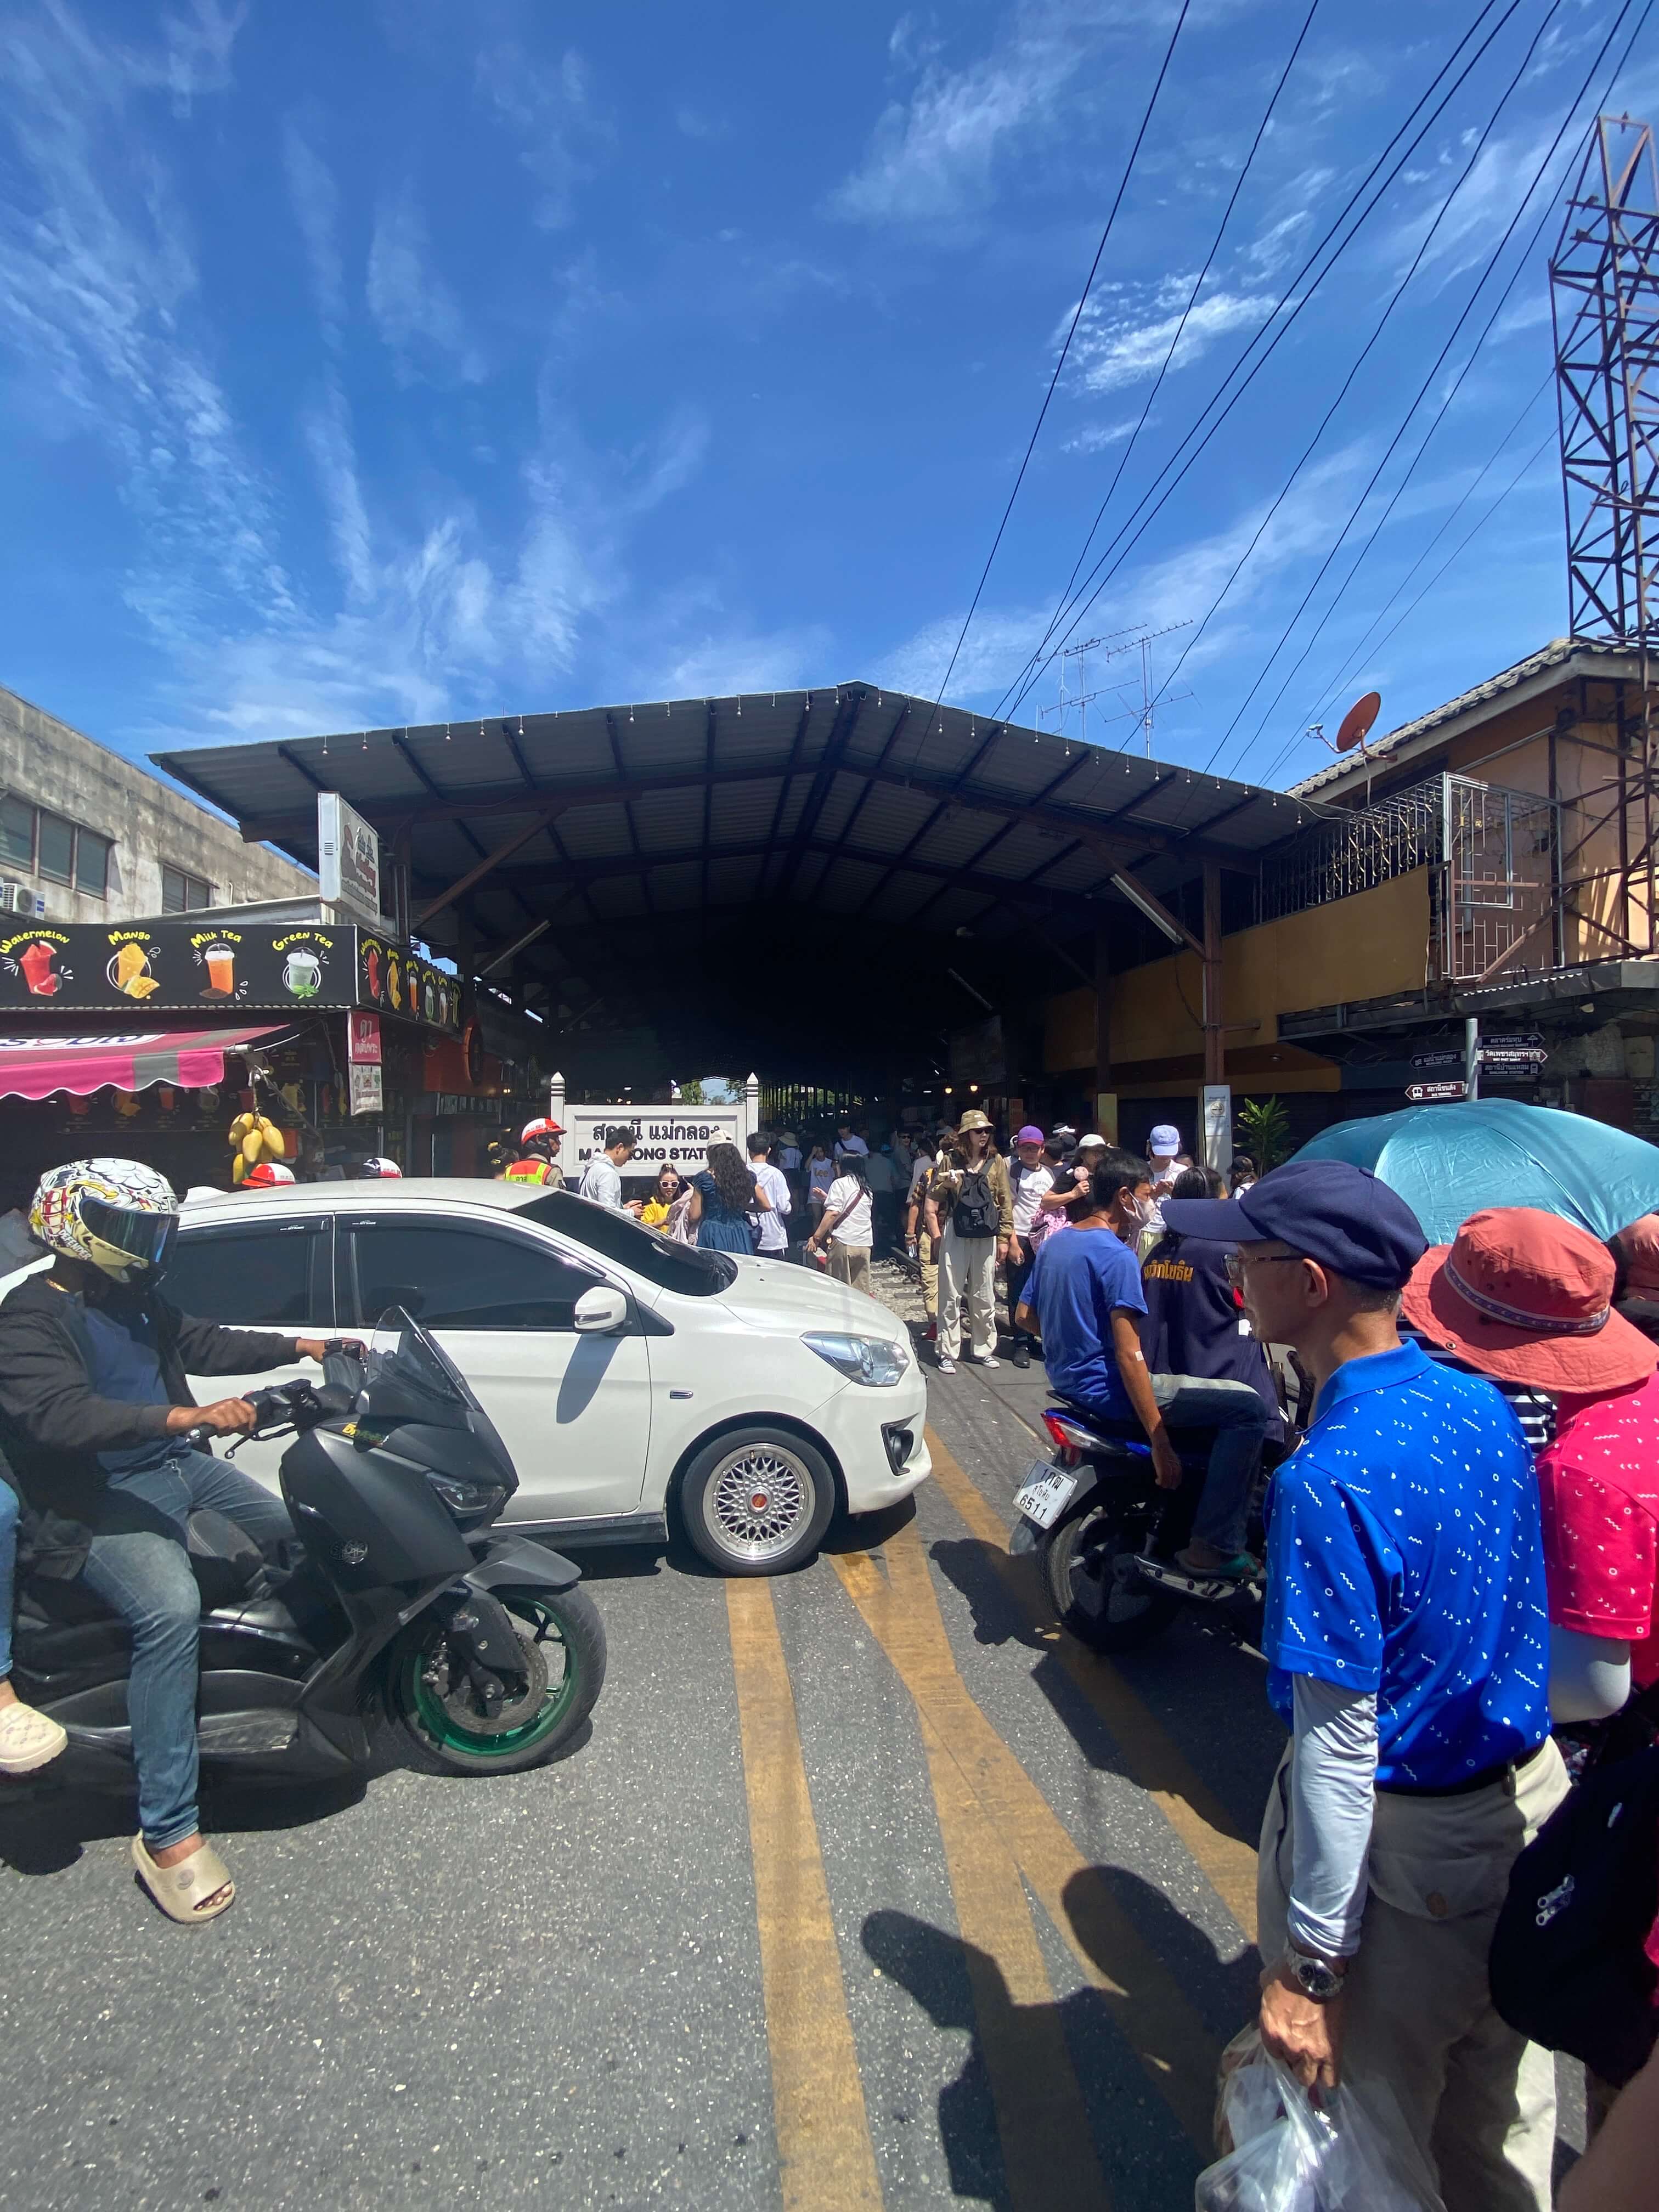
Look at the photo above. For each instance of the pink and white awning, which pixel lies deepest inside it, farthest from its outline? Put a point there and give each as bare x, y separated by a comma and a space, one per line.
35, 1066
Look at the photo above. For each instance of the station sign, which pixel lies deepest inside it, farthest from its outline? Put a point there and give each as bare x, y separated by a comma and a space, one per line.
1435, 1094
193, 964
1444, 1056
666, 1136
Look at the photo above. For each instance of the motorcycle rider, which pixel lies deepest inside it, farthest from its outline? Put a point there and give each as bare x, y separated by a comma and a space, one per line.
537, 1161
1086, 1300
95, 1419
1194, 1329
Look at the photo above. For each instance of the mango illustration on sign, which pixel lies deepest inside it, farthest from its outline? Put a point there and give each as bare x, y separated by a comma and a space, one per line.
129, 972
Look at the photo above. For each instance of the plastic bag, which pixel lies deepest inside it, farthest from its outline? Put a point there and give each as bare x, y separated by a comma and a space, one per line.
1350, 2153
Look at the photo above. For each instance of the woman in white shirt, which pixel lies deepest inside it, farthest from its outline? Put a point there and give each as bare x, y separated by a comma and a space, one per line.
846, 1225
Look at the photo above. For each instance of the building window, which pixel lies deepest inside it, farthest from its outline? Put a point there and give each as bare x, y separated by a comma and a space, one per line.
92, 854
183, 894
16, 833
56, 848
47, 844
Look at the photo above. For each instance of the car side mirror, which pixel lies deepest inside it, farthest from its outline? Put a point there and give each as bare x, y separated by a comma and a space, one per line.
600, 1311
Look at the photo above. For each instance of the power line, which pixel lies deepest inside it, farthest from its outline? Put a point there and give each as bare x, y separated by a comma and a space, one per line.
1359, 361
1493, 260
1127, 536
1123, 186
1457, 551
1181, 325
1353, 658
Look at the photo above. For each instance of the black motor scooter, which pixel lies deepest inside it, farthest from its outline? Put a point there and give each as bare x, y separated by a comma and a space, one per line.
480, 1648
1105, 1536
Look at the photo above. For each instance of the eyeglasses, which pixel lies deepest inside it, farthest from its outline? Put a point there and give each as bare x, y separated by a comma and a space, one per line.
1238, 1266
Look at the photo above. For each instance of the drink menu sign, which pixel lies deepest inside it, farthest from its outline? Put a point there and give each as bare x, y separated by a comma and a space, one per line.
192, 964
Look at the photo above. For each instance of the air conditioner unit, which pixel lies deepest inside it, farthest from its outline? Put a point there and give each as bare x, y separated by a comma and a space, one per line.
16, 898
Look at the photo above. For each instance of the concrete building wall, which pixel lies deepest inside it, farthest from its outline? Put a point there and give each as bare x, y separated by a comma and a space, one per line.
54, 768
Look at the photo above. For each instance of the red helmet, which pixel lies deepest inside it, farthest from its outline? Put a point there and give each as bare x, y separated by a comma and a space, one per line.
266, 1175
534, 1132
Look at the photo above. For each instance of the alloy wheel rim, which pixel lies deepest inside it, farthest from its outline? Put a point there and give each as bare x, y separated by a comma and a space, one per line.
757, 1502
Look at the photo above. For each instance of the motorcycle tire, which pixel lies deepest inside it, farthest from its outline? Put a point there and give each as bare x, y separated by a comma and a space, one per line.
1087, 1565
440, 1718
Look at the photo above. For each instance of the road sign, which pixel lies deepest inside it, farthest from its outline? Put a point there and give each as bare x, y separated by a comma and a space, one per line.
1501, 1056
1531, 1042
1432, 1094
1450, 1057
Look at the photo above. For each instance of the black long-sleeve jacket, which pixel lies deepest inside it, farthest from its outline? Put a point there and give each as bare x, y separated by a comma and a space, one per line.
54, 1423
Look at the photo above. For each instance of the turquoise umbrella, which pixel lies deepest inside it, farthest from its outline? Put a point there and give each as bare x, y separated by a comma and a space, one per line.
1446, 1162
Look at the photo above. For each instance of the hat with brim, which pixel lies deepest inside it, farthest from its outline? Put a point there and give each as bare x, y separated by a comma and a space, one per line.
973, 1118
1526, 1296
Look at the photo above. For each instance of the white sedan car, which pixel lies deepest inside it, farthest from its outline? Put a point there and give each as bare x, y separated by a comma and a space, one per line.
628, 1375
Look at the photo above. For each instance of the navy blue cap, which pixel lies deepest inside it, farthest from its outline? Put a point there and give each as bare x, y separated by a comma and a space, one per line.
1339, 1215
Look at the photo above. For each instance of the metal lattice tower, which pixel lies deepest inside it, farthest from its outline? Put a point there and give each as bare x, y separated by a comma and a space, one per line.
1604, 303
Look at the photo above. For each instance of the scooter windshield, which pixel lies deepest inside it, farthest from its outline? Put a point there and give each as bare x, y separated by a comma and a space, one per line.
411, 1378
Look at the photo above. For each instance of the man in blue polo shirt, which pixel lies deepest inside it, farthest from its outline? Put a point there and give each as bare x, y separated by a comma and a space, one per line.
1408, 1642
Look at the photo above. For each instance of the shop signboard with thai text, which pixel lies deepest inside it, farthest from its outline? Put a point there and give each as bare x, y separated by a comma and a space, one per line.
347, 857
194, 964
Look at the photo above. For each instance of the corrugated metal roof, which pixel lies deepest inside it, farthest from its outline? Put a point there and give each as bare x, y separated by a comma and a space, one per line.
1554, 660
851, 797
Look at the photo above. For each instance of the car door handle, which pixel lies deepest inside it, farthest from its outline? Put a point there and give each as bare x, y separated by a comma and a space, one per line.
679, 1394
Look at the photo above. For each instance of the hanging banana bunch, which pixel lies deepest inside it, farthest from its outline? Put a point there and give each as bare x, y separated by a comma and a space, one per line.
253, 1138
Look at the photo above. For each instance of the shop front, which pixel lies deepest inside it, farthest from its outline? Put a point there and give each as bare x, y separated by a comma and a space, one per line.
147, 1039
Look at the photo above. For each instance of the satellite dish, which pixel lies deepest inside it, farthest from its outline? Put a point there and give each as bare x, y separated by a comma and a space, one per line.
1357, 722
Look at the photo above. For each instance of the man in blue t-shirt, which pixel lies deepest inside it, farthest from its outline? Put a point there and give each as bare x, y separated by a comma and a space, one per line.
1084, 1298
1408, 1643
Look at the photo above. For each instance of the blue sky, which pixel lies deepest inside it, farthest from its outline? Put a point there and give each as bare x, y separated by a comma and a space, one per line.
406, 361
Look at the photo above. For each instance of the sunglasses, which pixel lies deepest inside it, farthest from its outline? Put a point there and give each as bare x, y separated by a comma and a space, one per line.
1237, 1268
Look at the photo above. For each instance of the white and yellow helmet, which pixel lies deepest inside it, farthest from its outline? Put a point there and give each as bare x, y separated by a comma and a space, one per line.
117, 1215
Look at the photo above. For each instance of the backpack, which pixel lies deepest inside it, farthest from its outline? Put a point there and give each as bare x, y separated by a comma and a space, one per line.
1569, 1965
974, 1213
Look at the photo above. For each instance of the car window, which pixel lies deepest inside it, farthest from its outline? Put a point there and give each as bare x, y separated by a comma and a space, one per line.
256, 1275
450, 1274
671, 1266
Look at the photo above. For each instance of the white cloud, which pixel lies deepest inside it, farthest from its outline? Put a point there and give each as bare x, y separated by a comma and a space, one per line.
552, 108
316, 207
1111, 350
415, 311
1095, 437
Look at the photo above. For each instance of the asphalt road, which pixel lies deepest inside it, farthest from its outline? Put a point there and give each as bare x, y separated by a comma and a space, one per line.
864, 1890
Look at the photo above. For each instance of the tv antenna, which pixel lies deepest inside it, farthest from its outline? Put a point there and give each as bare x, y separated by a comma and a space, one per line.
1144, 709
1082, 697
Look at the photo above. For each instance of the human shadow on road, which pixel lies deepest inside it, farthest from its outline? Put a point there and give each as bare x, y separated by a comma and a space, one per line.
1007, 1603
1001, 2121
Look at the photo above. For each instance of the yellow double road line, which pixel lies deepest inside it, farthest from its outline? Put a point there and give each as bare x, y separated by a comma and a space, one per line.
817, 2099
1154, 1764
1146, 2002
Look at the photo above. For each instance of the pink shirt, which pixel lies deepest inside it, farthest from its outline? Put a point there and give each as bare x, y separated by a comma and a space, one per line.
1599, 1487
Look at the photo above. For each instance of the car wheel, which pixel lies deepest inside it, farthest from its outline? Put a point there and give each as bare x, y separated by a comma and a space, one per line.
757, 1502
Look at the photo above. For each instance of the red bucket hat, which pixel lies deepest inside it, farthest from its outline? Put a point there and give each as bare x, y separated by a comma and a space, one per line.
1528, 1296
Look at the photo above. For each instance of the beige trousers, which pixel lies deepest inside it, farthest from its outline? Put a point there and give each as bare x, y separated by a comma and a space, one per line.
850, 1264
967, 1264
928, 1261
1418, 2014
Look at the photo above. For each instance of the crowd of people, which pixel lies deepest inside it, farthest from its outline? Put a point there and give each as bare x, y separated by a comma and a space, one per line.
1462, 1578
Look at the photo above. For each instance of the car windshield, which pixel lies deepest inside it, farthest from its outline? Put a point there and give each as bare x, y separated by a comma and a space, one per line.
683, 1268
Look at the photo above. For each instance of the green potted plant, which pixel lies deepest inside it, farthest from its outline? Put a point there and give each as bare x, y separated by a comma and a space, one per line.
1263, 1126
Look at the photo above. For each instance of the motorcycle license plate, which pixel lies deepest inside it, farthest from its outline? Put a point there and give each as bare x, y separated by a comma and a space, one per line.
1045, 1493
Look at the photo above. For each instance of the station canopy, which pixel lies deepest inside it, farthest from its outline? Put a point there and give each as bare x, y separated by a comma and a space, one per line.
618, 863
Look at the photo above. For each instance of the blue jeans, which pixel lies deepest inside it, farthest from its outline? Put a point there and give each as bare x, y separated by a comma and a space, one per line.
140, 1569
1241, 1420
8, 1571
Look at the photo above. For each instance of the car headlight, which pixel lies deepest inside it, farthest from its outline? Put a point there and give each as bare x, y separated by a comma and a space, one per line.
869, 1359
